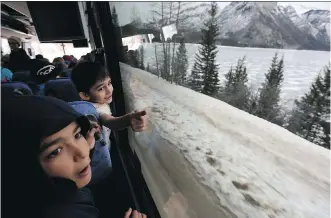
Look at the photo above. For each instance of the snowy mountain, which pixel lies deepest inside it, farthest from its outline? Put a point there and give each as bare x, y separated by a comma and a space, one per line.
313, 22
267, 24
299, 21
298, 6
254, 24
320, 19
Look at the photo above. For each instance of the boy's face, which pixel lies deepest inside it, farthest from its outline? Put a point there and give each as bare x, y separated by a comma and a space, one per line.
65, 154
101, 92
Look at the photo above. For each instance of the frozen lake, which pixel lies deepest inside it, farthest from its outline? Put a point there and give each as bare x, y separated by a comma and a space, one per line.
301, 67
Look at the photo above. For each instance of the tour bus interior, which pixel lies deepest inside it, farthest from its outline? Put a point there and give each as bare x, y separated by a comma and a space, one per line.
26, 21
200, 155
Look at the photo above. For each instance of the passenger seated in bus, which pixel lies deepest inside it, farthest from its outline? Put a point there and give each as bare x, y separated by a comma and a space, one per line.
72, 65
39, 57
19, 60
83, 58
60, 60
68, 60
94, 85
52, 144
41, 72
61, 67
74, 59
6, 74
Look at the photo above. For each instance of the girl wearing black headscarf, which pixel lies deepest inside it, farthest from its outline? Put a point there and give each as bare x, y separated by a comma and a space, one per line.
46, 159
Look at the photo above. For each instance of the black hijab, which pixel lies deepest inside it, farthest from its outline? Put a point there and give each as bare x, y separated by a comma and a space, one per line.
25, 121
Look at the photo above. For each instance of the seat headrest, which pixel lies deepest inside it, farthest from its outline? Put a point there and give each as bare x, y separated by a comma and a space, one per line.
22, 76
12, 86
63, 89
85, 108
66, 73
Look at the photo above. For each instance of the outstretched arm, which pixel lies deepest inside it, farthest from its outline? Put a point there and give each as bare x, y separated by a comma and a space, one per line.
137, 120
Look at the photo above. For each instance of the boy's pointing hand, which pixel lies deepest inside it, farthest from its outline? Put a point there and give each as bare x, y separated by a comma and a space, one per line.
138, 120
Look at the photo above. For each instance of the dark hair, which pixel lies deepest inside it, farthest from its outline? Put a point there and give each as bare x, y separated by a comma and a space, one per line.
40, 117
39, 56
86, 74
72, 65
58, 59
60, 66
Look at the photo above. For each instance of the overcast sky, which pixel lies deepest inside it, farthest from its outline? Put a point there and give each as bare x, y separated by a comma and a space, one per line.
124, 9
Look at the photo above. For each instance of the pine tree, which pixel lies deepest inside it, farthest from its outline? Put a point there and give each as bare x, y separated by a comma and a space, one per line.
205, 67
268, 106
141, 57
180, 65
115, 17
148, 68
235, 91
325, 118
229, 81
253, 99
133, 58
195, 82
326, 93
311, 114
136, 59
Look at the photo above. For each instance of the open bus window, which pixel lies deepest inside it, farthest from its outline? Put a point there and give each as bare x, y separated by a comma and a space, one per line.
220, 143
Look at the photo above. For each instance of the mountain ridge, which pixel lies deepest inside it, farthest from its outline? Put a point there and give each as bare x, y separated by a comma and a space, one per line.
258, 24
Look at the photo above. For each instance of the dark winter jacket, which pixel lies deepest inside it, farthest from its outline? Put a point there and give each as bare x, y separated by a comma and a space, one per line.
78, 205
19, 61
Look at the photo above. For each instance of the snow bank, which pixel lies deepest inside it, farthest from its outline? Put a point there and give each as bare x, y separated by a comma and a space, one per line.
204, 158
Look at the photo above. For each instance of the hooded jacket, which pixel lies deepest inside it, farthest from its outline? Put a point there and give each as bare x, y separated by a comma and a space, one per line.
26, 190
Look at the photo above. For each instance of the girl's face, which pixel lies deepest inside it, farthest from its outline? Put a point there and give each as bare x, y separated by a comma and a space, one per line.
65, 154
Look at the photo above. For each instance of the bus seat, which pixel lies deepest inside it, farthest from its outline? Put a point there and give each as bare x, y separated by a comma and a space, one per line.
100, 162
85, 108
22, 76
17, 85
63, 89
66, 73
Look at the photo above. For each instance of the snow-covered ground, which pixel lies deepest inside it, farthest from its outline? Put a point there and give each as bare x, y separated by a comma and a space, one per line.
301, 67
204, 158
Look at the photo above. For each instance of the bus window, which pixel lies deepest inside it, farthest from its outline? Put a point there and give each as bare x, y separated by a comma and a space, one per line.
227, 98
28, 48
53, 50
5, 49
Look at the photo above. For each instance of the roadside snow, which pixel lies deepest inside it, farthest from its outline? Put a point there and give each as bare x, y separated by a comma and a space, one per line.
247, 166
